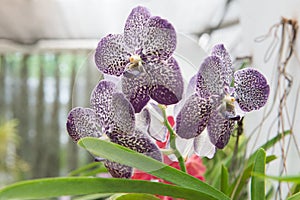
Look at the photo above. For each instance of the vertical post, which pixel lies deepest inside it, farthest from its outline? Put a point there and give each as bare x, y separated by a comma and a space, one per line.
53, 135
23, 113
39, 140
2, 87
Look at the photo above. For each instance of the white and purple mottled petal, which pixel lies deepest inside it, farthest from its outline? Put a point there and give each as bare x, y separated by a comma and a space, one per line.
251, 89
138, 142
136, 90
118, 170
112, 56
203, 146
190, 90
219, 129
83, 122
134, 31
101, 99
193, 117
209, 77
160, 41
112, 108
123, 113
227, 72
166, 81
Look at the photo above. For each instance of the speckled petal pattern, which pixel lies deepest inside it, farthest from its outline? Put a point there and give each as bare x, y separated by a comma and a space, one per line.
83, 122
134, 31
118, 170
219, 129
113, 109
193, 117
227, 71
166, 81
160, 41
123, 113
112, 55
251, 89
136, 90
101, 99
138, 142
209, 81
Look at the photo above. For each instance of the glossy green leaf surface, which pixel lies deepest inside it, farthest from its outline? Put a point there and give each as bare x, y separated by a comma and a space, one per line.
54, 187
258, 183
123, 155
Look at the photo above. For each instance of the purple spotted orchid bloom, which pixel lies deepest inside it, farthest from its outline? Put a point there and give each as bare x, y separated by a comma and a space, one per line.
214, 104
142, 56
111, 115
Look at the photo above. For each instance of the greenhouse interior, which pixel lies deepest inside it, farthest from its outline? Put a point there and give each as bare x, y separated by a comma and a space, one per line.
149, 99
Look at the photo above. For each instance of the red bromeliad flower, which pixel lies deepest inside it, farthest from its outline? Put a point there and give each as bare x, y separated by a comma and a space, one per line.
194, 165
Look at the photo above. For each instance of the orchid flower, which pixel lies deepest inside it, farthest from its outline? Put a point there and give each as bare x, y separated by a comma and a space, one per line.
112, 116
142, 56
214, 104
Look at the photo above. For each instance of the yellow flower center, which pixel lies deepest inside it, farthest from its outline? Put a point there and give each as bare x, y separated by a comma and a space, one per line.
229, 99
135, 61
228, 102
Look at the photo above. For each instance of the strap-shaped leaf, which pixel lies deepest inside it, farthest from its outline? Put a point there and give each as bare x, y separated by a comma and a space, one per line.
120, 154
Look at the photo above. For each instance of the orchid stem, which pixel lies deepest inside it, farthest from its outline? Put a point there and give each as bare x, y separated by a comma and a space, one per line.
172, 139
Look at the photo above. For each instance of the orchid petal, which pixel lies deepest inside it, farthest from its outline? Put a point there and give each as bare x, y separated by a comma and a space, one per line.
209, 77
160, 41
156, 128
203, 146
136, 90
134, 31
101, 99
151, 121
111, 55
193, 117
227, 71
184, 146
118, 170
138, 142
113, 109
166, 81
219, 129
83, 122
123, 113
251, 89
143, 119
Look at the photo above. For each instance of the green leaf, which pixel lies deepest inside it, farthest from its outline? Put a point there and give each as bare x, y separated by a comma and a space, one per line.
54, 187
224, 179
240, 182
295, 196
89, 169
92, 196
294, 179
270, 143
257, 183
120, 154
270, 193
295, 188
137, 197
